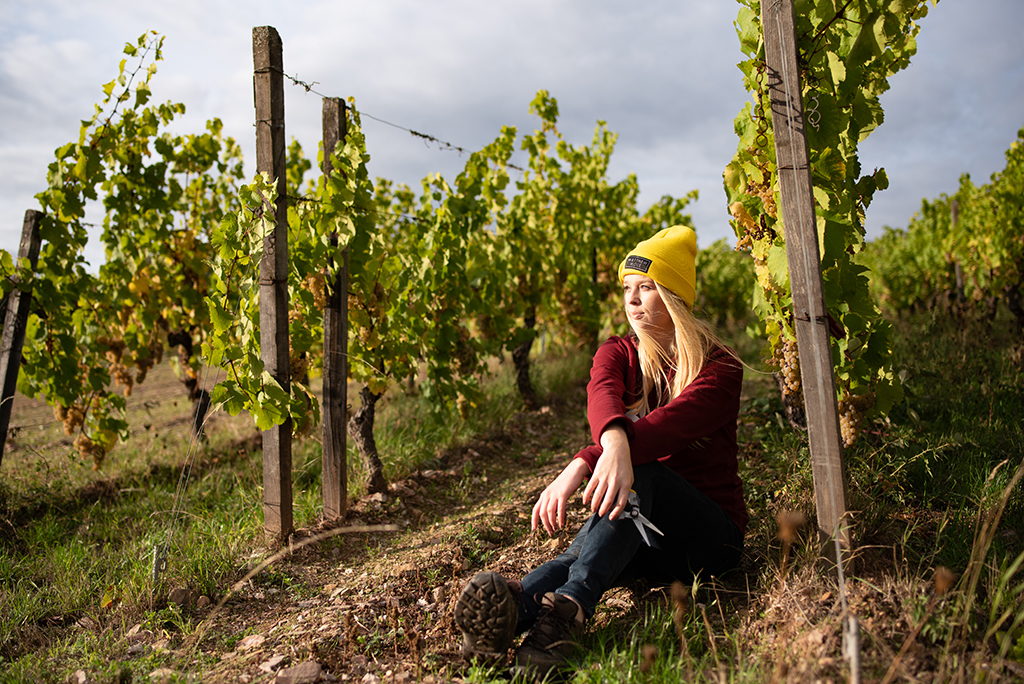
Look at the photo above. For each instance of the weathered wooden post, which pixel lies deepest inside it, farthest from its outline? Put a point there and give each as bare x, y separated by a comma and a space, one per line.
335, 394
15, 319
268, 87
810, 316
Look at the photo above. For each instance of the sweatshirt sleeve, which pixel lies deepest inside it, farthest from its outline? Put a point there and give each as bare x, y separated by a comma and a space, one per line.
606, 392
708, 403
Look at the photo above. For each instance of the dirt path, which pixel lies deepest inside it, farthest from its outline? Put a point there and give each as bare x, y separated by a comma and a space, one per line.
364, 605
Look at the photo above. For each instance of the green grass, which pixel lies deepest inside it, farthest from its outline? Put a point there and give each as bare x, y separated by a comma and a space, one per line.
961, 420
71, 552
916, 480
71, 562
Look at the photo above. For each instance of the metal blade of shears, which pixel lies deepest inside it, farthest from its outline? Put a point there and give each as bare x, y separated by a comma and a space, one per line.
643, 532
633, 507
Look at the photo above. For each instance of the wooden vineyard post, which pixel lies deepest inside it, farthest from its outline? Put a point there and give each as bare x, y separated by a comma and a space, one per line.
810, 317
335, 400
268, 87
15, 319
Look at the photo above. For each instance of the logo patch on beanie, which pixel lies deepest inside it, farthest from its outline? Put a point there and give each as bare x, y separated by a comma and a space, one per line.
638, 263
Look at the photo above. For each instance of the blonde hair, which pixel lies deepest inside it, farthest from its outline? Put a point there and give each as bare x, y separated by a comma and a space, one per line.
694, 340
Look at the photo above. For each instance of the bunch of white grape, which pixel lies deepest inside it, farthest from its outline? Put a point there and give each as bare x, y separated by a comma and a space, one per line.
851, 415
787, 358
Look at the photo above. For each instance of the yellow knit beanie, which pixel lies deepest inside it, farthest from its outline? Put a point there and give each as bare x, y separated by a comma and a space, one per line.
668, 259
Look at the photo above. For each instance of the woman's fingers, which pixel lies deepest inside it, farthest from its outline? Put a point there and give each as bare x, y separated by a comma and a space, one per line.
589, 490
541, 510
600, 490
619, 504
550, 509
549, 512
607, 501
612, 500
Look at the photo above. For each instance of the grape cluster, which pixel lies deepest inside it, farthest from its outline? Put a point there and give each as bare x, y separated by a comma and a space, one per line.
122, 377
851, 415
368, 337
764, 192
316, 284
119, 371
87, 448
374, 306
746, 222
72, 417
156, 355
115, 347
462, 404
787, 358
755, 229
298, 365
763, 231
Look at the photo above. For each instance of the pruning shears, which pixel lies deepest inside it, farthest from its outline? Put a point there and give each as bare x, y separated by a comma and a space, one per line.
632, 509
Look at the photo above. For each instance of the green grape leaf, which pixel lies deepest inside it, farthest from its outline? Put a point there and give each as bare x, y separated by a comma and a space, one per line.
778, 265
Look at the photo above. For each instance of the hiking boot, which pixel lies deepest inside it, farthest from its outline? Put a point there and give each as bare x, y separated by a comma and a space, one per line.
486, 612
552, 638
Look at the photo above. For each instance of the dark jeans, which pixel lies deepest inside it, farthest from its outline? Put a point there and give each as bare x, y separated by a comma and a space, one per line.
699, 537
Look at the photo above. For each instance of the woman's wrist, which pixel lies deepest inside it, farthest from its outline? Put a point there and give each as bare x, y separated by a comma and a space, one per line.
578, 466
614, 436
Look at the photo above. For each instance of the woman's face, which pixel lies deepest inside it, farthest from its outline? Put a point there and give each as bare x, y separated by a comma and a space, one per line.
644, 306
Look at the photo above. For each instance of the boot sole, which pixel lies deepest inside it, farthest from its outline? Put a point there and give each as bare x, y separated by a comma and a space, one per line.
486, 612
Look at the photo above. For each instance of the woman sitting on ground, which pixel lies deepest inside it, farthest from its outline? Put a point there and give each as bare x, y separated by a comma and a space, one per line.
663, 486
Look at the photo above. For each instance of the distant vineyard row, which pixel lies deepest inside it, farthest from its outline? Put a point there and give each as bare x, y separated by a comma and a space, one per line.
964, 251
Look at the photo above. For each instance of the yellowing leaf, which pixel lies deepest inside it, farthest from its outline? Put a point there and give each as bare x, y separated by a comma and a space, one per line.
109, 600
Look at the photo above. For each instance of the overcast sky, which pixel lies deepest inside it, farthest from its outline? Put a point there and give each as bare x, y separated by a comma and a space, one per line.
661, 73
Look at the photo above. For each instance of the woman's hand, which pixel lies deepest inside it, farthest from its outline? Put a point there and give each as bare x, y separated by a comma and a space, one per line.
608, 489
549, 510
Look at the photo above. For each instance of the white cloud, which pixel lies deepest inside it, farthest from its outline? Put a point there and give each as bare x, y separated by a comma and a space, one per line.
660, 72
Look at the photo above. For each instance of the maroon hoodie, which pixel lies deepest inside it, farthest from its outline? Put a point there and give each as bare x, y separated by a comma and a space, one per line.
693, 434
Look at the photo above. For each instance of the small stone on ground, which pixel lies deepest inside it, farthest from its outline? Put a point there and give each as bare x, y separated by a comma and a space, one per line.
303, 673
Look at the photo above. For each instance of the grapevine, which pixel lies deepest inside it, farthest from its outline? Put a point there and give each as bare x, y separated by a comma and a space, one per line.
847, 53
441, 281
562, 238
92, 337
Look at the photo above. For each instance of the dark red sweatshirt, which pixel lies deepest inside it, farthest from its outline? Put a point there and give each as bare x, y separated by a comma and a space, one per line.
694, 434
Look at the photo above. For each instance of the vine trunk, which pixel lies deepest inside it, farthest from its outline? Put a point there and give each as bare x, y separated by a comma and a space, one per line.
521, 359
360, 426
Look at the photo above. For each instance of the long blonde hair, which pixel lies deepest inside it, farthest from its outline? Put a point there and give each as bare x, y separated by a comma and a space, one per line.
694, 340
